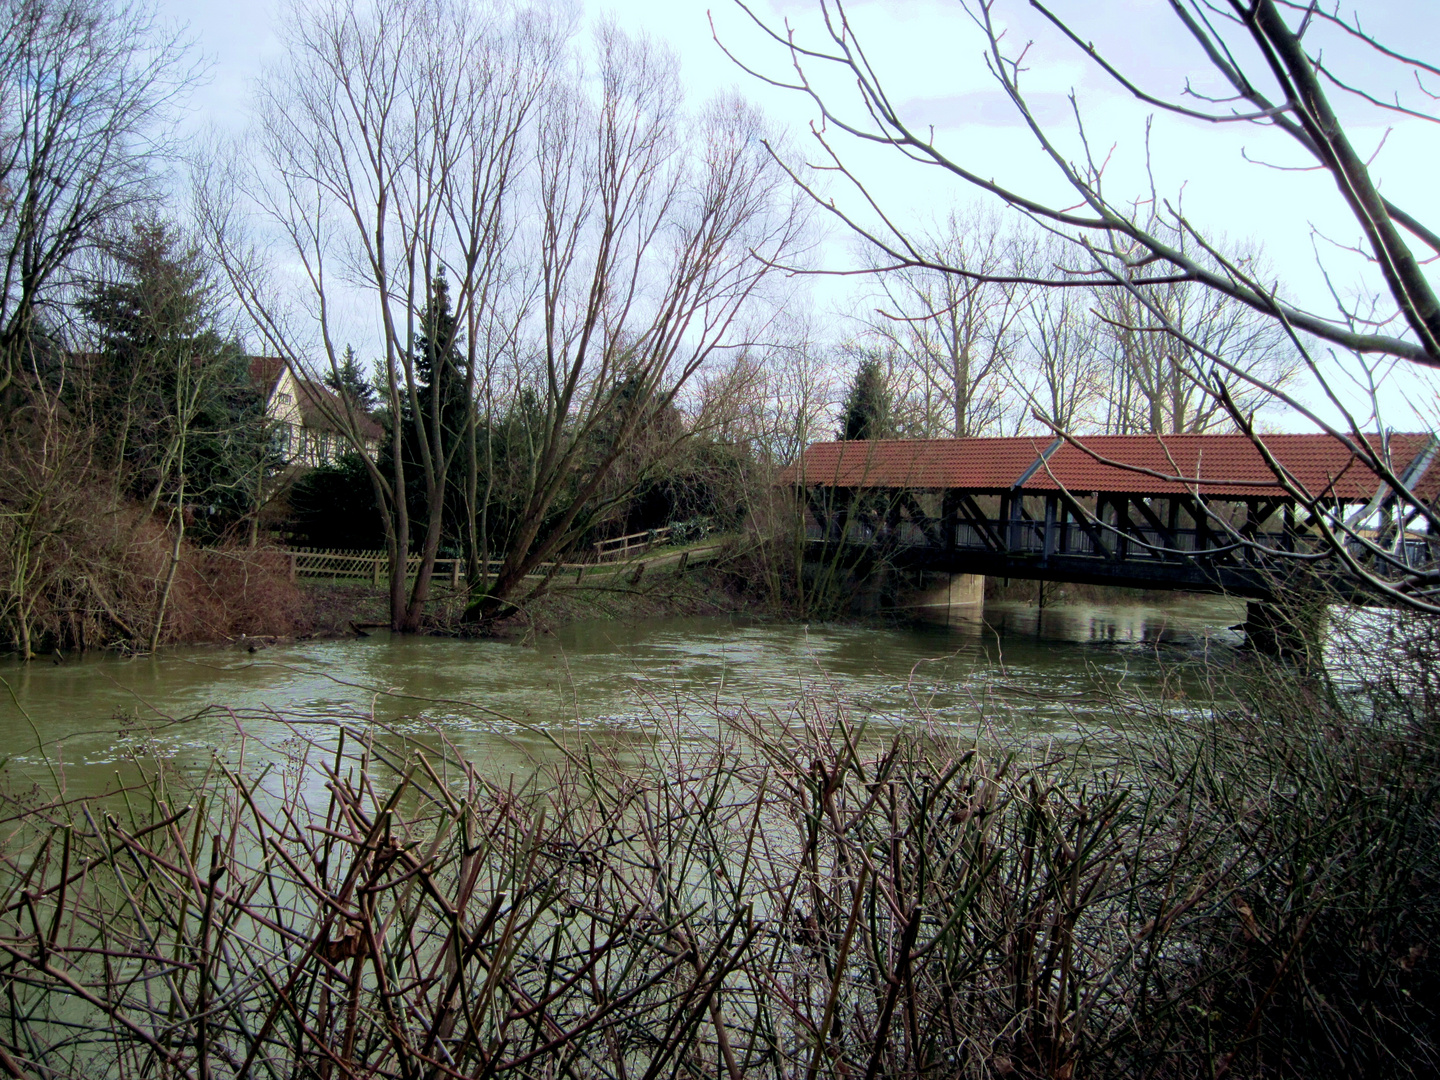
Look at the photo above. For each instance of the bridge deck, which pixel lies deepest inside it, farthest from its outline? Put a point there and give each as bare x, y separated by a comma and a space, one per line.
1195, 512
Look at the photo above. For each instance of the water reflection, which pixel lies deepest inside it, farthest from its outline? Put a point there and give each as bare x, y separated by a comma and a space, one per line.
1020, 670
1193, 624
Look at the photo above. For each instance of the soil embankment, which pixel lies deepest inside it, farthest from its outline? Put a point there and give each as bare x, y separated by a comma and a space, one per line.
338, 608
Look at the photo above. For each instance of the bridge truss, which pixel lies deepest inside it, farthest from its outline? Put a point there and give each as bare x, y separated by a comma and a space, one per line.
1204, 513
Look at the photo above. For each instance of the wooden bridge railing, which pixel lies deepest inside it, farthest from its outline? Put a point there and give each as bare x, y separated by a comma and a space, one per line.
1026, 538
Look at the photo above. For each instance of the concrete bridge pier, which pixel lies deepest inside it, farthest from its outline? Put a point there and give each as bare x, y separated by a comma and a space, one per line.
945, 598
928, 595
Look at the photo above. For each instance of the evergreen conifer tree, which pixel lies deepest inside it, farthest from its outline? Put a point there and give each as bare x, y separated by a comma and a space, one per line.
164, 372
350, 382
868, 407
439, 370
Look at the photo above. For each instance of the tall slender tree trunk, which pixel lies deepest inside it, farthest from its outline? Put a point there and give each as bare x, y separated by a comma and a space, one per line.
161, 604
468, 502
420, 592
399, 551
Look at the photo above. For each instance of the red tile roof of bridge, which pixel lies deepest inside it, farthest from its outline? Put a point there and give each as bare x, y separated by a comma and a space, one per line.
1223, 466
919, 463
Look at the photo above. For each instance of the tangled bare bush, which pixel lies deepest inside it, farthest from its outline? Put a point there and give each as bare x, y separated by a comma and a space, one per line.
100, 584
233, 591
83, 567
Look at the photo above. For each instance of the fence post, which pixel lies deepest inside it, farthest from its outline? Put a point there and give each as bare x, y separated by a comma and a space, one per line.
292, 566
375, 572
455, 573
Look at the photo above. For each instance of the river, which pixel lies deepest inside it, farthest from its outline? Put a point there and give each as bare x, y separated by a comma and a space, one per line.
1019, 672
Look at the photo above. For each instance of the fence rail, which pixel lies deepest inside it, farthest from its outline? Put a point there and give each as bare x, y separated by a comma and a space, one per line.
375, 565
619, 547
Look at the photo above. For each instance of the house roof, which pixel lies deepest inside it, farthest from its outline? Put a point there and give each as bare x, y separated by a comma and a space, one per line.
318, 403
319, 406
1223, 466
265, 373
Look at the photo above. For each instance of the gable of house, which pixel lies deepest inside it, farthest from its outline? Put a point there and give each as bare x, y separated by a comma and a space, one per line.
309, 416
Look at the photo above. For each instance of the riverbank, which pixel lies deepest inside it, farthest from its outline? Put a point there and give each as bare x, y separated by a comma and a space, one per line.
340, 608
266, 607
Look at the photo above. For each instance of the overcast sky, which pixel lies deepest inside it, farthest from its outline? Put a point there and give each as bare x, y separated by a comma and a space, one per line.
930, 58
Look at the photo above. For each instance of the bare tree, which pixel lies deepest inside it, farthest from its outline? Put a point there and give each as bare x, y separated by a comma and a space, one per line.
773, 397
803, 394
1270, 56
416, 140
957, 333
729, 405
391, 139
1157, 380
88, 96
1061, 373
89, 91
989, 354
651, 245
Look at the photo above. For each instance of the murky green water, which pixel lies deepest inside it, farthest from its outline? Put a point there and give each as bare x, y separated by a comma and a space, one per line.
1018, 672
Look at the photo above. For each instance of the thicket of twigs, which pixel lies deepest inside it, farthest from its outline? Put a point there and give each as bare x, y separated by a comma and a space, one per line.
91, 573
85, 564
1246, 890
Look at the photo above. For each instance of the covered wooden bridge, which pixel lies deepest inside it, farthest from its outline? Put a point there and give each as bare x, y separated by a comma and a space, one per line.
1204, 513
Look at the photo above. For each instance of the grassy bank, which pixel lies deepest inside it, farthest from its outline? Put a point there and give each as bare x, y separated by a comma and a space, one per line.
662, 587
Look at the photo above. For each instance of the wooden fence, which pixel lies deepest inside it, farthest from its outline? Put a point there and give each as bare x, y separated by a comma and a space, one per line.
375, 565
620, 547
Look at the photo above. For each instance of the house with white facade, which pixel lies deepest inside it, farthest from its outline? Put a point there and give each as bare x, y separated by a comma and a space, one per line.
310, 417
